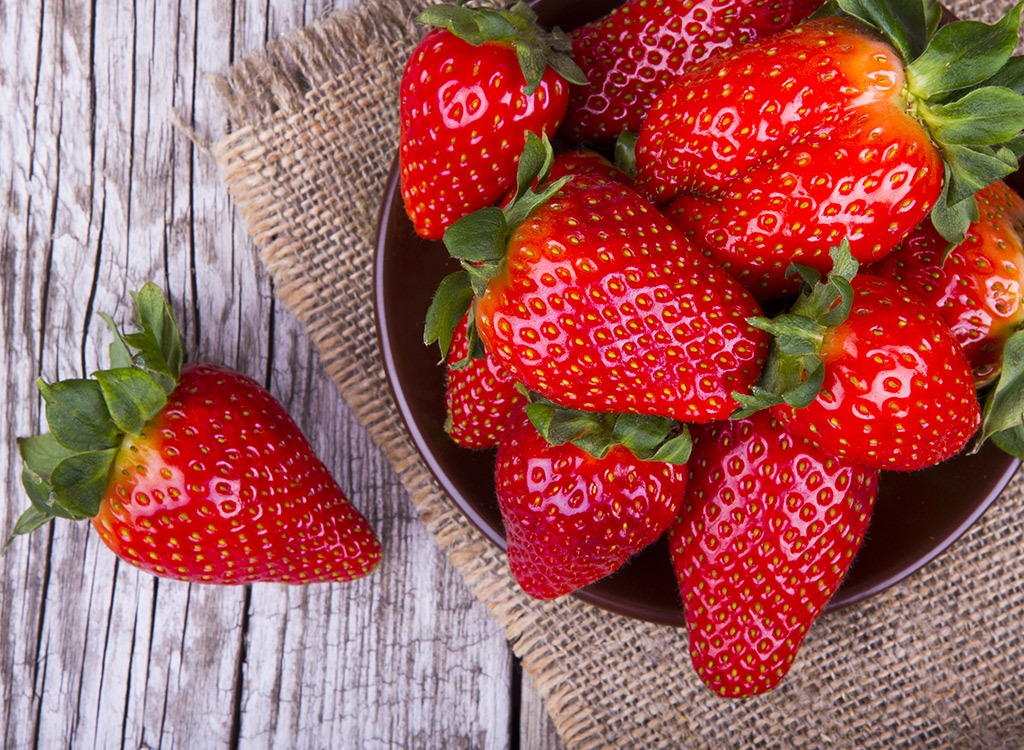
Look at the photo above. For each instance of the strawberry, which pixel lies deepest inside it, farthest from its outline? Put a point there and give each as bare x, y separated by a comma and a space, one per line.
978, 287
634, 53
767, 531
862, 370
470, 92
587, 296
479, 395
776, 150
191, 472
576, 500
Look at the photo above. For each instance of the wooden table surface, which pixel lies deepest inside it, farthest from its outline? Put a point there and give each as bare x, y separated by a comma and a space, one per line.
102, 193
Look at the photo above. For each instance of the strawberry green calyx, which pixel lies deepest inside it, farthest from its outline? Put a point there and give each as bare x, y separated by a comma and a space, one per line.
479, 242
517, 27
1003, 412
66, 469
649, 438
966, 87
794, 371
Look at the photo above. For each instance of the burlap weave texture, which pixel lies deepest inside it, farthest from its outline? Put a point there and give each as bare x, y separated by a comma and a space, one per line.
934, 662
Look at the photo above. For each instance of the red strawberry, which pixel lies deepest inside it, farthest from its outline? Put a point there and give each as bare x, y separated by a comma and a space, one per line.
584, 161
469, 94
593, 300
978, 288
768, 529
191, 472
776, 150
634, 53
862, 370
572, 518
479, 395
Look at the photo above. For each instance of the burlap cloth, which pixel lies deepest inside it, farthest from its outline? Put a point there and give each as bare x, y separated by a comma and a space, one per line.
934, 662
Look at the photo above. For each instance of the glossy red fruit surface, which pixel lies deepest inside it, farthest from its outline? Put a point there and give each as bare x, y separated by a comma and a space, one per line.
479, 397
768, 529
222, 487
635, 53
464, 118
898, 392
979, 289
572, 519
602, 305
784, 147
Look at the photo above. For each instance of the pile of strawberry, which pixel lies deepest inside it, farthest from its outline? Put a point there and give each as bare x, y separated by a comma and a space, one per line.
802, 268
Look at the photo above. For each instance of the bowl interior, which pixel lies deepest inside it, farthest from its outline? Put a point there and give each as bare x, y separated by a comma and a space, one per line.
917, 516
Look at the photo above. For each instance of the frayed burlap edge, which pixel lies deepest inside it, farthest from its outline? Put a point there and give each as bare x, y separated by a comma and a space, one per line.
314, 133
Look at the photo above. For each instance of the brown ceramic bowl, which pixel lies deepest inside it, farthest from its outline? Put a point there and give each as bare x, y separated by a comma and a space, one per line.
917, 516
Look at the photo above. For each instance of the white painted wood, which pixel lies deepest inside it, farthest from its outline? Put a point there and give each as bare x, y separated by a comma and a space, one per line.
102, 193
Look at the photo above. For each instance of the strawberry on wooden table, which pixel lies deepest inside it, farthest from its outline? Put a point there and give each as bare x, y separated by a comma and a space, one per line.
586, 295
862, 370
854, 127
978, 286
581, 493
470, 92
634, 53
190, 471
768, 530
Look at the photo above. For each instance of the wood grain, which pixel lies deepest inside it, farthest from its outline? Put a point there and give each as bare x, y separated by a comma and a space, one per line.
102, 192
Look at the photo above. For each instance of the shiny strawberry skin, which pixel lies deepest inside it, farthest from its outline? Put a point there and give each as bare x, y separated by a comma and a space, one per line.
602, 305
586, 162
788, 145
768, 530
898, 391
570, 518
634, 54
464, 119
222, 487
979, 289
479, 397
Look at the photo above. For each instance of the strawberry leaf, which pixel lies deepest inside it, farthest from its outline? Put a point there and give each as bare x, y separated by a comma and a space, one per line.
80, 481
640, 433
952, 221
132, 396
32, 519
906, 24
972, 168
794, 372
963, 54
120, 354
77, 415
40, 493
478, 237
451, 301
536, 49
42, 453
647, 437
987, 116
675, 450
159, 343
1004, 407
1011, 441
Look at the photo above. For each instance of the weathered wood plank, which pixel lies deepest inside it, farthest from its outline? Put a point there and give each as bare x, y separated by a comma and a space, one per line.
103, 193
